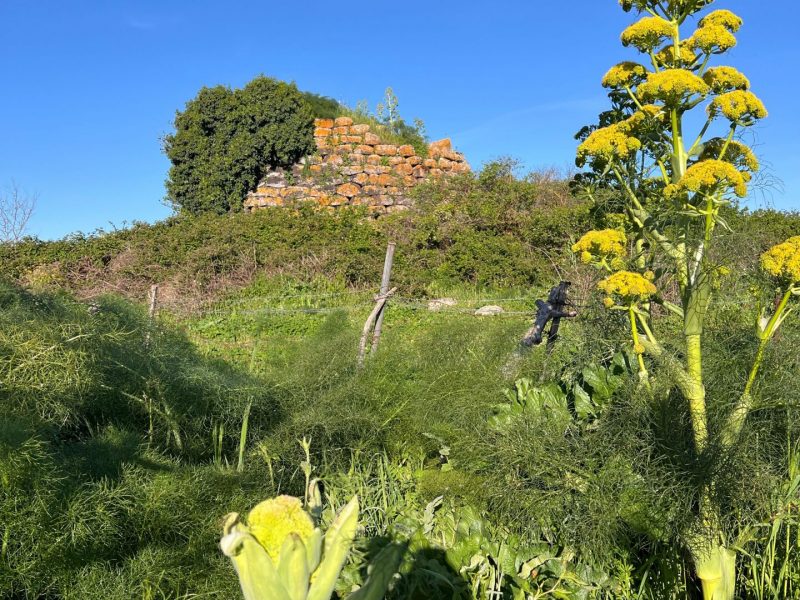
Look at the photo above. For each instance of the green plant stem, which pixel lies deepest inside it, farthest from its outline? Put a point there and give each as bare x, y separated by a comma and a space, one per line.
643, 375
735, 422
695, 391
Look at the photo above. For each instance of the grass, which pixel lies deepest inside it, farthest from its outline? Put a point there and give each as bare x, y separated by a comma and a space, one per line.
119, 457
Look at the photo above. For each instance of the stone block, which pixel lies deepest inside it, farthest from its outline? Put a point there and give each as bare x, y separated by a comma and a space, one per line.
341, 130
348, 189
364, 149
324, 123
343, 121
371, 138
361, 178
414, 160
445, 164
376, 169
385, 150
436, 148
338, 200
353, 139
351, 170
436, 172
406, 150
430, 163
374, 159
396, 160
404, 169
322, 132
419, 172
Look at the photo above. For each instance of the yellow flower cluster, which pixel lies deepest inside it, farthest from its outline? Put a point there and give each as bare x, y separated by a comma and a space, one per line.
608, 143
725, 79
707, 175
672, 86
605, 244
647, 33
783, 261
647, 114
667, 56
737, 153
712, 39
739, 106
624, 74
629, 286
272, 521
723, 18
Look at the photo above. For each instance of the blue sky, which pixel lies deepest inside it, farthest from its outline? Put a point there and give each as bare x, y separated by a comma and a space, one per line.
91, 86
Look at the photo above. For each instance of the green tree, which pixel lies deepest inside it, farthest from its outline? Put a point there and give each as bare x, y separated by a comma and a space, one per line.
675, 187
225, 140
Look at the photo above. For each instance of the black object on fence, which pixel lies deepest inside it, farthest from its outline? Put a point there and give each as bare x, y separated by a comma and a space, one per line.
553, 310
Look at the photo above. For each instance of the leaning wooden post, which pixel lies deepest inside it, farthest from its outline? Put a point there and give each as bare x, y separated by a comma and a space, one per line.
151, 312
380, 302
387, 273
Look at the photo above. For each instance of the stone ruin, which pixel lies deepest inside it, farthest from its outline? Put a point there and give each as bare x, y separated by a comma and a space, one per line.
353, 167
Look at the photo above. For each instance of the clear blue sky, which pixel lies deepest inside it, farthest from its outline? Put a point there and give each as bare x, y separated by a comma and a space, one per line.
90, 86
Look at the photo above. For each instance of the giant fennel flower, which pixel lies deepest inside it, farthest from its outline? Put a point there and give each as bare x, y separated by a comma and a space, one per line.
725, 79
608, 143
712, 39
724, 18
607, 245
672, 86
624, 74
738, 154
648, 33
628, 286
708, 176
738, 106
783, 261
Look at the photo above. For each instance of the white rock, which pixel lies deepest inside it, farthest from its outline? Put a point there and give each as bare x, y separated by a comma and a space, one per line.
489, 310
438, 304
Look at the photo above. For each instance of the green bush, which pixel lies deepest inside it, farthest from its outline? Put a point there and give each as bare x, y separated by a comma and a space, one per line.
225, 140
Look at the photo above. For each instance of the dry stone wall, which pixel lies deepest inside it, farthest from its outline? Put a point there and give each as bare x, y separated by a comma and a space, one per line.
354, 167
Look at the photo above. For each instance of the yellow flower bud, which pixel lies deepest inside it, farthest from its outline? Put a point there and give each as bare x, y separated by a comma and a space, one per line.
608, 302
272, 521
638, 349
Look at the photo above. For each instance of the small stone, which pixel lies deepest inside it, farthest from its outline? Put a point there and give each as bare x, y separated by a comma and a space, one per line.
438, 304
489, 311
343, 121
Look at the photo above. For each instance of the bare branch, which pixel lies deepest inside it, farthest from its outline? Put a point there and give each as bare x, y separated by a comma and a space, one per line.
16, 208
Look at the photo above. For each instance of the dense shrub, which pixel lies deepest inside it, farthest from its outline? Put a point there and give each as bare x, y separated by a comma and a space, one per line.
225, 140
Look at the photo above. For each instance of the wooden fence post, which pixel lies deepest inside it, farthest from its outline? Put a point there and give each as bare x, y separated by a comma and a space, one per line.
387, 273
376, 316
151, 312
